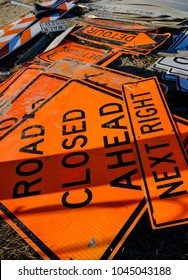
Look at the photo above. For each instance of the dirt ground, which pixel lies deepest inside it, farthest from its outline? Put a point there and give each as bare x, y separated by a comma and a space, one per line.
143, 243
10, 12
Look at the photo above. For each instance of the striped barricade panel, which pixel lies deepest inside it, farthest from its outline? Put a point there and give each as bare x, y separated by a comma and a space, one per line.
28, 27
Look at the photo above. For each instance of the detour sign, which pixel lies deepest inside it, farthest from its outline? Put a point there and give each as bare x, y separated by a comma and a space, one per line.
134, 43
90, 171
161, 155
69, 49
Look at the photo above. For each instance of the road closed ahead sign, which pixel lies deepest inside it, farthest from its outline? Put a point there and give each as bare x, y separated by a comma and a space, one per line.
161, 155
72, 165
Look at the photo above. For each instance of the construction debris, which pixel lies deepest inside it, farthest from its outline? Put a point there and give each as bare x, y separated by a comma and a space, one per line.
168, 9
125, 42
88, 148
114, 25
168, 13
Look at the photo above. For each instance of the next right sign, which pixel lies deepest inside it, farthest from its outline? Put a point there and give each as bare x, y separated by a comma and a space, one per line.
162, 157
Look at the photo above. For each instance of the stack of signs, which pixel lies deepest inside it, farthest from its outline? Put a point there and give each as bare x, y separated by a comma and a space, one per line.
165, 13
85, 148
114, 25
88, 149
104, 42
95, 44
171, 8
175, 62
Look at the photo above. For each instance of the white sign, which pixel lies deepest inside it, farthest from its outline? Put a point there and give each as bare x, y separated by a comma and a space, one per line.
175, 65
54, 25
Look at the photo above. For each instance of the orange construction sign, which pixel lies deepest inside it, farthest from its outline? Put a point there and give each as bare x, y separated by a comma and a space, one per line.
182, 126
162, 157
102, 35
95, 74
140, 45
123, 41
69, 49
90, 170
114, 25
18, 81
17, 106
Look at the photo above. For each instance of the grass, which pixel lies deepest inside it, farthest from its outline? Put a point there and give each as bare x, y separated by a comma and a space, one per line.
144, 243
13, 246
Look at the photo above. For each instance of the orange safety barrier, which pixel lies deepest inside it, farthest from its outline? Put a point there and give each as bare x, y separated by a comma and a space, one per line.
161, 155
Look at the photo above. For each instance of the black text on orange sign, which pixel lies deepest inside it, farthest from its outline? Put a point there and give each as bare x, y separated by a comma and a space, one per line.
162, 157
